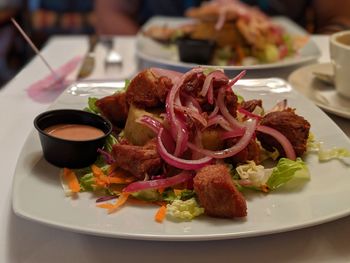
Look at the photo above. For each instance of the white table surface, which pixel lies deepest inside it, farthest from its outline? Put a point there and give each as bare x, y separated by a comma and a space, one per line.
26, 241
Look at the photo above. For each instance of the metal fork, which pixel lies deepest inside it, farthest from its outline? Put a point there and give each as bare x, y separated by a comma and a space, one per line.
113, 58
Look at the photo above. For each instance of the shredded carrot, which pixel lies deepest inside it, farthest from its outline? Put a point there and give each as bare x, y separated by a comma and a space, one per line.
113, 207
71, 179
177, 192
112, 167
118, 176
161, 213
160, 190
265, 188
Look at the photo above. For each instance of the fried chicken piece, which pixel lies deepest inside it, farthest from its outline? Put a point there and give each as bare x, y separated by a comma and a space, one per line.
138, 160
115, 108
291, 125
147, 90
217, 192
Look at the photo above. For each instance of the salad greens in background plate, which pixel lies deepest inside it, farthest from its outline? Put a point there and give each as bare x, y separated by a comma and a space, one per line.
154, 54
38, 195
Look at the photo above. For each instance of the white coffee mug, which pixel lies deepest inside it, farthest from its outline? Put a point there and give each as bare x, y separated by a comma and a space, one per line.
340, 57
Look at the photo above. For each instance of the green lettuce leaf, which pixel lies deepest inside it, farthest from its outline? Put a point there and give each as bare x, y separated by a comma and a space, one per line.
285, 171
184, 210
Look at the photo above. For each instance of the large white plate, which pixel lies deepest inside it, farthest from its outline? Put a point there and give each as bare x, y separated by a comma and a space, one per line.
322, 94
38, 196
152, 53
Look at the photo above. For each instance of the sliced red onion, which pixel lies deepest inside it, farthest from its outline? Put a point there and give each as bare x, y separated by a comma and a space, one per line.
106, 198
109, 159
239, 146
225, 112
249, 114
217, 75
191, 102
211, 95
150, 122
214, 112
179, 162
232, 134
178, 128
155, 126
238, 77
193, 114
158, 183
283, 140
219, 120
182, 136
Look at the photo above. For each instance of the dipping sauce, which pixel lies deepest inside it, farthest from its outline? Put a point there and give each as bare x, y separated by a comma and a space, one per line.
74, 132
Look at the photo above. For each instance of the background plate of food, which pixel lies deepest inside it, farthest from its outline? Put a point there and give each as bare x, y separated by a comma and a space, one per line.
319, 197
231, 38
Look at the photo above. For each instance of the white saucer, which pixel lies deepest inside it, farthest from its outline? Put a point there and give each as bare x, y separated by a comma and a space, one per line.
322, 94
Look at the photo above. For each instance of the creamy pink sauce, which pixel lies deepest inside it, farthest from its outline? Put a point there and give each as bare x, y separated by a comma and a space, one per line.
74, 132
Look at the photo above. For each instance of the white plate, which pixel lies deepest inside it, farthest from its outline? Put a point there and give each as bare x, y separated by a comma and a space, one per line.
38, 196
323, 95
152, 53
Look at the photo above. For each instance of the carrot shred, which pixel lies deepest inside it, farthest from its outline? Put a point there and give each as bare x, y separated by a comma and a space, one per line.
113, 207
177, 192
116, 177
71, 179
265, 188
161, 213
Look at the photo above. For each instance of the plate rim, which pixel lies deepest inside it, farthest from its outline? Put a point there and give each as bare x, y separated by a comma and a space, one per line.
329, 109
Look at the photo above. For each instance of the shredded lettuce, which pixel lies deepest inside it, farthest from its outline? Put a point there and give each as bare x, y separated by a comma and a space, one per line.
110, 141
326, 154
285, 171
334, 153
184, 210
91, 106
268, 179
257, 174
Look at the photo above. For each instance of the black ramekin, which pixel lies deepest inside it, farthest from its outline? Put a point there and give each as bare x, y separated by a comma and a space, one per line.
69, 153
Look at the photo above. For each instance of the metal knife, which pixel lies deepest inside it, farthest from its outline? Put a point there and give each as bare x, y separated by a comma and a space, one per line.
88, 63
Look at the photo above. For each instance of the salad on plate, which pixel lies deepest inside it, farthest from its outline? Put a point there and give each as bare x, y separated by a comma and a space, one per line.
243, 35
190, 145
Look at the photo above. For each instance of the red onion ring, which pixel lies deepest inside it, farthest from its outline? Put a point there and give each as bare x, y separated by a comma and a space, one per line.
218, 119
155, 126
158, 183
232, 134
242, 143
178, 128
283, 140
238, 77
224, 111
249, 114
178, 162
193, 114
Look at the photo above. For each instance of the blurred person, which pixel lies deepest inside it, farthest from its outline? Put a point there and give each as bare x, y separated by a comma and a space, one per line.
126, 16
8, 9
